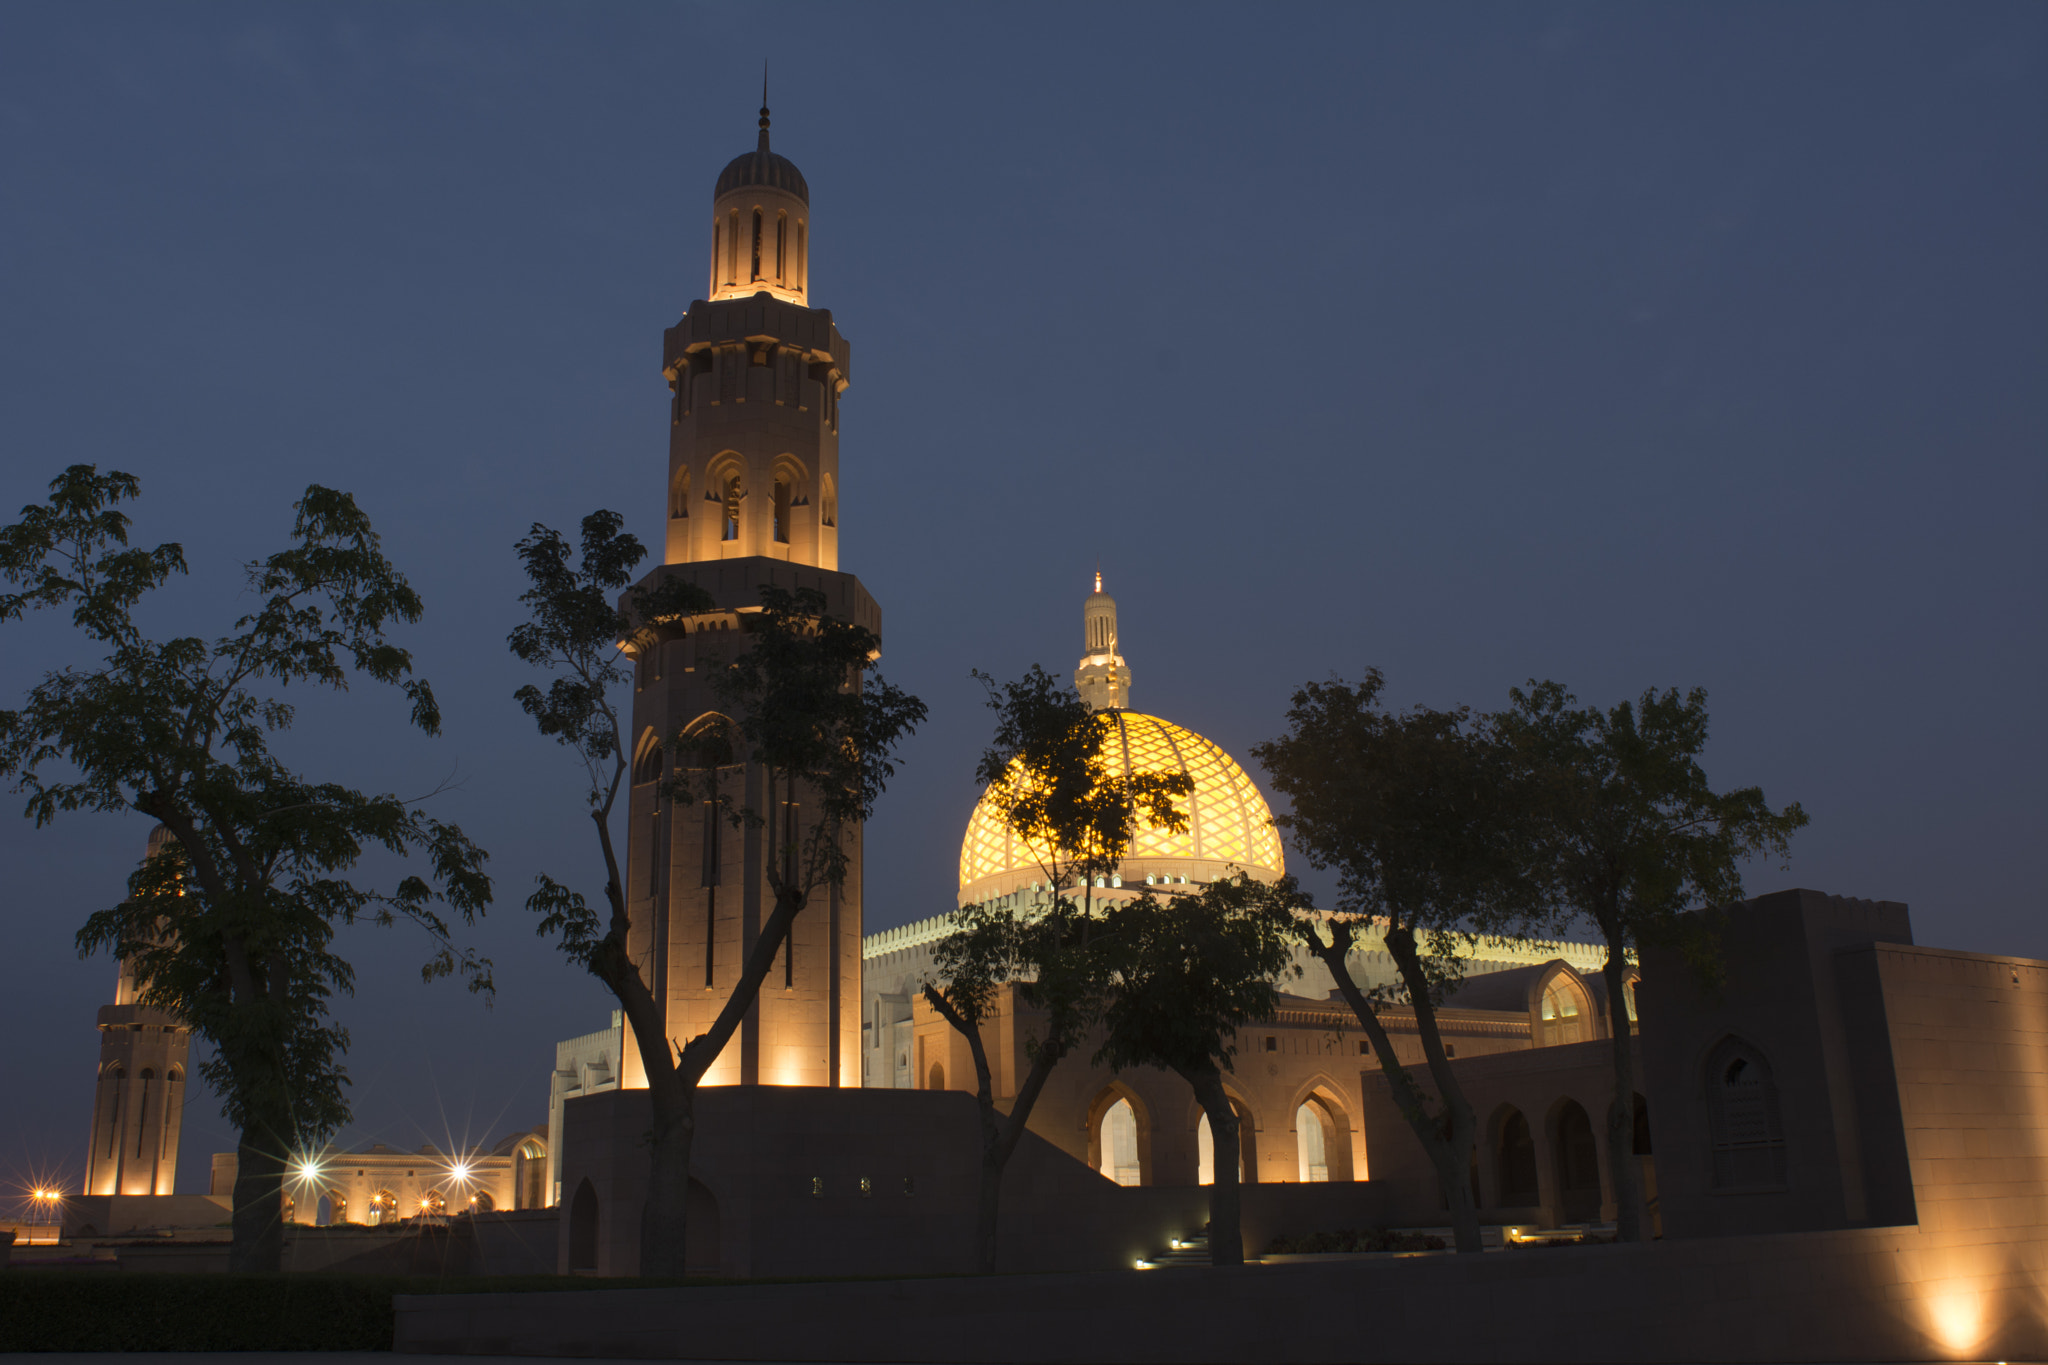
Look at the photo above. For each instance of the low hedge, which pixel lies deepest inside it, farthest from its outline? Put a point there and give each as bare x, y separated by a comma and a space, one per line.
109, 1310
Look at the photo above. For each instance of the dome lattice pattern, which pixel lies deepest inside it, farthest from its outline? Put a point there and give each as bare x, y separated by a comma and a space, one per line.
1228, 820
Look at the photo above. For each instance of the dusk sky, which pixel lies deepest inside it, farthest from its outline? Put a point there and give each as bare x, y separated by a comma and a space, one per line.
1628, 345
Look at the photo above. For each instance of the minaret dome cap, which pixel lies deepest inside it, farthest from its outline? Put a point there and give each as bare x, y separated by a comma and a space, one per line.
764, 168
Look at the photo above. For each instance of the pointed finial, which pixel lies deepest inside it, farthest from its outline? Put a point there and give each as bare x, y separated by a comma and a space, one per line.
764, 104
1098, 575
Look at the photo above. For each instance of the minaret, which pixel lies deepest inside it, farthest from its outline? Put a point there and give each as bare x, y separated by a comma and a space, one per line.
139, 1101
1102, 677
753, 498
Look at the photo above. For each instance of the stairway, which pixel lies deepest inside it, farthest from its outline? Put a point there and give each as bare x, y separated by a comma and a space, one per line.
1180, 1252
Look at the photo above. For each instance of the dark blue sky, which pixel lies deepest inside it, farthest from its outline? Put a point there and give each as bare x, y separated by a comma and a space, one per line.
1628, 345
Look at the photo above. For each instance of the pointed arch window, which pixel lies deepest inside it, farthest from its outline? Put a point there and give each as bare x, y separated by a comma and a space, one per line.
733, 494
1742, 1108
646, 758
757, 246
782, 509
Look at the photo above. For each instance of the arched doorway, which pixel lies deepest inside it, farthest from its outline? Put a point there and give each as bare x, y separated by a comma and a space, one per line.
1578, 1166
937, 1079
383, 1208
1119, 1131
583, 1228
1205, 1148
1322, 1138
1311, 1144
529, 1176
1515, 1152
1117, 1143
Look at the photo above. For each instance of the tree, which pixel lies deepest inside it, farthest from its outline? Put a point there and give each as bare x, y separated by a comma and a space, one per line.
1045, 779
1415, 812
1631, 836
1185, 973
804, 717
231, 927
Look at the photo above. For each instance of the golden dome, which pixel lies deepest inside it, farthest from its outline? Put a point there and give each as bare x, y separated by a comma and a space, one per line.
1228, 821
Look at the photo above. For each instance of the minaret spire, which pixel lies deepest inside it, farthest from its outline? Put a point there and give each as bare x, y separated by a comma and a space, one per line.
1102, 678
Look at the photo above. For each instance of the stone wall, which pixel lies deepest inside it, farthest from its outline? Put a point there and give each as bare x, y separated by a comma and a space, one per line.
1864, 1294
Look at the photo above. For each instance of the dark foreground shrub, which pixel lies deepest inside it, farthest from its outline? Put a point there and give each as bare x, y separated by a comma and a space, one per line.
1372, 1239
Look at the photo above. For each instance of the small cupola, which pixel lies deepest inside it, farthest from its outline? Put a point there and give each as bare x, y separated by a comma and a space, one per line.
760, 226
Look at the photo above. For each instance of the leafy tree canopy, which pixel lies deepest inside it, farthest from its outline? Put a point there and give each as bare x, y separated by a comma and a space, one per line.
232, 925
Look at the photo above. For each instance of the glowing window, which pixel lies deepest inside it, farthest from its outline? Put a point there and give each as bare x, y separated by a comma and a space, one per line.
1562, 1020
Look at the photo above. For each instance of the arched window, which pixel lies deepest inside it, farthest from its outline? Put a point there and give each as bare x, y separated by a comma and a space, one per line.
583, 1228
733, 494
1742, 1105
1562, 1014
782, 495
333, 1208
646, 758
383, 1208
1312, 1142
1578, 1165
1517, 1157
1119, 1144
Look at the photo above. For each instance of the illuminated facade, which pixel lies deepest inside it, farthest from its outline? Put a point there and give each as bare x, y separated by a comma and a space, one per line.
377, 1185
755, 376
139, 1098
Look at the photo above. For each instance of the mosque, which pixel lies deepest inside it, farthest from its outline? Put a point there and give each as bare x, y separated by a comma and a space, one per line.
1843, 1083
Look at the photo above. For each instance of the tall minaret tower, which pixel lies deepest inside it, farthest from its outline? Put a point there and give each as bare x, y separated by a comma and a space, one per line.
139, 1102
1102, 677
752, 498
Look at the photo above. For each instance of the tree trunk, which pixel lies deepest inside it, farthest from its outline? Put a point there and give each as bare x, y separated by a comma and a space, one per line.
988, 1207
258, 1216
1443, 1144
1450, 1146
664, 1226
1226, 1235
1630, 1224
